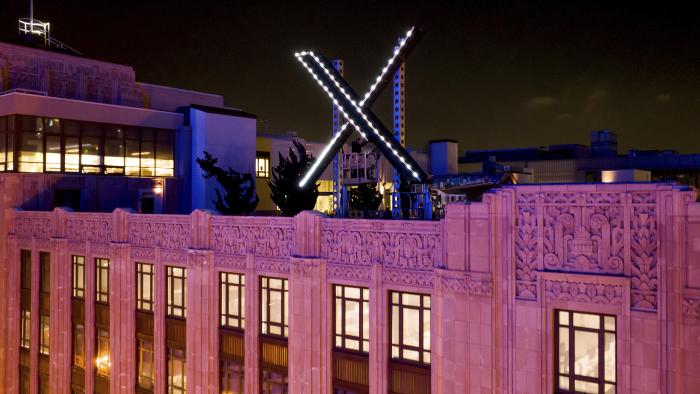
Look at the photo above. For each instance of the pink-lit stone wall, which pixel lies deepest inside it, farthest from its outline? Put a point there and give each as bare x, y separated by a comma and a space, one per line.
496, 270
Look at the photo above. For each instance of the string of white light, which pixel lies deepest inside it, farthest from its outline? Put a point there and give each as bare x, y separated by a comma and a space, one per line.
314, 167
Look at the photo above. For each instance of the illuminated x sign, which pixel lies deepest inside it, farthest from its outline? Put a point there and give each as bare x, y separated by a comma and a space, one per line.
357, 111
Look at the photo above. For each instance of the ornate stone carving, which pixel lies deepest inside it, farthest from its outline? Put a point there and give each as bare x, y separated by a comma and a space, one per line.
526, 252
267, 237
349, 272
691, 307
452, 284
272, 265
645, 279
169, 232
143, 254
174, 256
36, 224
101, 250
89, 227
304, 267
595, 293
76, 247
480, 287
224, 260
24, 242
394, 245
408, 278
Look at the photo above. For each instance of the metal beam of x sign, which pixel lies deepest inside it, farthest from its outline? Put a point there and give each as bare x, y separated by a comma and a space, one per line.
357, 111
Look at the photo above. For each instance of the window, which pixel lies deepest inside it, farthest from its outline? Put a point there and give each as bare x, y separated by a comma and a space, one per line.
275, 307
351, 310
232, 300
44, 335
102, 280
26, 269
176, 291
144, 287
45, 265
145, 367
410, 327
78, 276
273, 382
232, 377
25, 329
177, 380
103, 362
586, 352
262, 164
31, 146
79, 345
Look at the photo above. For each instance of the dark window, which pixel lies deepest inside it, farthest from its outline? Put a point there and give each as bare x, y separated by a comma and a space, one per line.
232, 377
273, 382
26, 269
45, 265
67, 198
102, 280
351, 323
177, 306
79, 345
585, 348
409, 319
232, 300
44, 334
274, 307
144, 287
262, 164
78, 276
146, 374
176, 371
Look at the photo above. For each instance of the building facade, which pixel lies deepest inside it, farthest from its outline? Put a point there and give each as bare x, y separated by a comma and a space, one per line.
571, 288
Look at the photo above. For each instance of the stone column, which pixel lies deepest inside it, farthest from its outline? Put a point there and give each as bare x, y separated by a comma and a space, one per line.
378, 343
159, 310
309, 348
11, 357
60, 318
202, 323
122, 319
252, 327
34, 326
90, 350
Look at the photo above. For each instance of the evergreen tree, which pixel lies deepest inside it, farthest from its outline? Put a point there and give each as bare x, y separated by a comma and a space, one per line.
284, 187
240, 197
365, 197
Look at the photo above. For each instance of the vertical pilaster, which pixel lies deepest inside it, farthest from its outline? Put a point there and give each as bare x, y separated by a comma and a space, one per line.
90, 350
34, 325
11, 358
252, 327
202, 323
60, 317
122, 319
159, 309
377, 338
309, 351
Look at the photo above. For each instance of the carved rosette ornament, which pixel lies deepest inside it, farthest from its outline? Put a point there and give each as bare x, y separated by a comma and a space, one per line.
691, 307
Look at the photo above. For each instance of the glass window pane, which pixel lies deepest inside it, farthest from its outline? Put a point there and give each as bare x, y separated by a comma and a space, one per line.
133, 157
71, 156
90, 151
411, 355
564, 318
609, 323
411, 299
352, 292
411, 324
31, 154
53, 153
586, 353
426, 330
114, 152
609, 389
564, 382
581, 386
365, 320
563, 350
148, 161
71, 128
395, 325
610, 361
352, 317
586, 320
338, 316
276, 307
52, 125
92, 129
164, 159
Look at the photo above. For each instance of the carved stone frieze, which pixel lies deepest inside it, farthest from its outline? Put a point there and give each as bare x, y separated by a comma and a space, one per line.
169, 232
229, 261
349, 272
581, 291
408, 278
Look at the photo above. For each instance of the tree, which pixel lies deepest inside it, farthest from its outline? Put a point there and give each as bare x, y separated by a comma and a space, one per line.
284, 187
365, 197
240, 197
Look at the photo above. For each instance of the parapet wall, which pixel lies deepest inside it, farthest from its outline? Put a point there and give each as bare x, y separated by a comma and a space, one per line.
496, 270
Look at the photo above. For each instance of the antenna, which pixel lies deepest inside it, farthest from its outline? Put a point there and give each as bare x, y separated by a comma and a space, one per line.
32, 29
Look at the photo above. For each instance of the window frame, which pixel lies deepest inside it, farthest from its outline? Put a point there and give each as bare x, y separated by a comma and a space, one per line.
225, 288
45, 273
265, 321
25, 269
363, 301
44, 335
78, 356
102, 267
144, 380
401, 347
171, 278
25, 333
600, 332
176, 355
265, 156
101, 349
143, 304
78, 269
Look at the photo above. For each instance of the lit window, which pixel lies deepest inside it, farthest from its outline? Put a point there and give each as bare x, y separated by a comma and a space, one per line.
44, 337
351, 310
79, 345
78, 276
103, 362
232, 300
410, 327
586, 352
45, 265
26, 269
164, 153
232, 377
145, 364
177, 380
31, 146
102, 280
25, 329
144, 287
262, 164
274, 307
176, 291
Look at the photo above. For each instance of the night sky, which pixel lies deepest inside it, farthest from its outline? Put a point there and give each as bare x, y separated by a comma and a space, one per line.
489, 74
